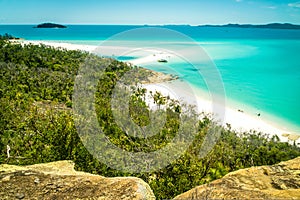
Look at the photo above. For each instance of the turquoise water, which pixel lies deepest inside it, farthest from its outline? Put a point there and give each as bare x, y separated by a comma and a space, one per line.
260, 68
266, 76
263, 74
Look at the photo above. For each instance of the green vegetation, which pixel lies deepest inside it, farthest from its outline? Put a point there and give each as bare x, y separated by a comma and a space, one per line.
7, 36
36, 122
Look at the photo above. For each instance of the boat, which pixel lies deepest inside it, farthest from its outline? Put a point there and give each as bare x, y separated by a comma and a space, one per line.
162, 60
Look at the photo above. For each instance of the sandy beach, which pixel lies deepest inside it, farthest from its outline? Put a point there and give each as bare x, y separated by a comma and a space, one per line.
236, 117
223, 114
64, 45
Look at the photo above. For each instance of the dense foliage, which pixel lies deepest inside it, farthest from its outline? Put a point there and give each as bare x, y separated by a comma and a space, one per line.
37, 124
7, 36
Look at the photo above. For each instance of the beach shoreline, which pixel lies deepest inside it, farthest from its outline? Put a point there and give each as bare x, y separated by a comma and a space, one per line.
224, 115
238, 119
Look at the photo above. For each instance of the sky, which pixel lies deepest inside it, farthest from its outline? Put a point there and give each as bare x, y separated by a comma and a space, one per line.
193, 12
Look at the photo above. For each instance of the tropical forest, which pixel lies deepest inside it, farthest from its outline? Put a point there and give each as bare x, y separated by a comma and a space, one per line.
38, 123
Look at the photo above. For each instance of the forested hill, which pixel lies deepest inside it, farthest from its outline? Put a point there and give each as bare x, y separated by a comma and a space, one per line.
37, 124
50, 25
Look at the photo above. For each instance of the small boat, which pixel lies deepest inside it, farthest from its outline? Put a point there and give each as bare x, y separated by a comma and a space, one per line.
162, 60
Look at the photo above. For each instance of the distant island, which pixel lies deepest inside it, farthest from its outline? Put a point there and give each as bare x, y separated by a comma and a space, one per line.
269, 26
266, 26
50, 25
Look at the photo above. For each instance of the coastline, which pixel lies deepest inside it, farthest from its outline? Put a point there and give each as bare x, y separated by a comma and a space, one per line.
224, 114
64, 45
238, 119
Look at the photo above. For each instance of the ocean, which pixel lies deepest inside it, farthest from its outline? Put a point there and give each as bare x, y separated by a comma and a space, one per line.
260, 68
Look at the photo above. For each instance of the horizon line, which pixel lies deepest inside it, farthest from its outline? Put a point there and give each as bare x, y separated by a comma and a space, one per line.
171, 24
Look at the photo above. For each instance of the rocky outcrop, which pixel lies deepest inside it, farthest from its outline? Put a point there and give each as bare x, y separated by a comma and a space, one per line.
59, 180
281, 181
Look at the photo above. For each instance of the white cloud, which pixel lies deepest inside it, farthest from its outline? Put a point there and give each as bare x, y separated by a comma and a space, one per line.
295, 5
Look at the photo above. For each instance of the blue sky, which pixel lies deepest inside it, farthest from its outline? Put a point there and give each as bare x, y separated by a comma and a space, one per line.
192, 12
